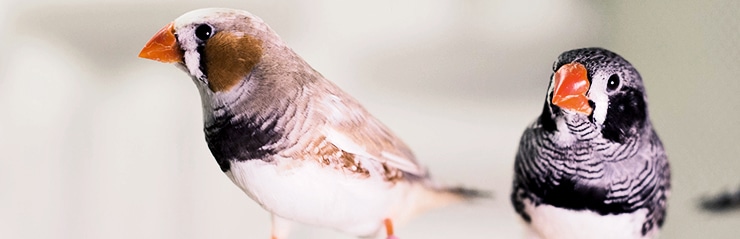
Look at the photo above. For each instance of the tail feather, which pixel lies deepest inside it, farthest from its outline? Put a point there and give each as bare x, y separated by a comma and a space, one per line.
424, 197
723, 202
468, 194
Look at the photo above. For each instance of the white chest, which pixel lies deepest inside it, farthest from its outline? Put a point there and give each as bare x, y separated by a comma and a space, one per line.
306, 192
550, 222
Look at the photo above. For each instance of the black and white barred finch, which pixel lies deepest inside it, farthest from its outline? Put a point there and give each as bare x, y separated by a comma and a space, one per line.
592, 166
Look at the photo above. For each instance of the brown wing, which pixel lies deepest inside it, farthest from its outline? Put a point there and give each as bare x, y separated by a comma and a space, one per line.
353, 130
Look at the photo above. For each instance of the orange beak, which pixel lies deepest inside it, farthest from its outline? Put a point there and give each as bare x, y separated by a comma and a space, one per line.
571, 86
163, 46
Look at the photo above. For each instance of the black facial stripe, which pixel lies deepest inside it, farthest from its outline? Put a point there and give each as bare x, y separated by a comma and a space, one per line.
240, 139
625, 116
592, 104
202, 65
546, 119
203, 33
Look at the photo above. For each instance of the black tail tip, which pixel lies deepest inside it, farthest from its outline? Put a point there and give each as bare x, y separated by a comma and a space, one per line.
469, 193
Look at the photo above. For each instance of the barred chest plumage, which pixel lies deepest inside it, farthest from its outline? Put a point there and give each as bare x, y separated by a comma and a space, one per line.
590, 181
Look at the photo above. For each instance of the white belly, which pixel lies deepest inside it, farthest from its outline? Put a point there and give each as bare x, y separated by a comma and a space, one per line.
306, 192
550, 222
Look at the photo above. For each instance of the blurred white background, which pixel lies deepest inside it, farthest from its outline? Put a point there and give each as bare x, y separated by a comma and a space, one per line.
97, 143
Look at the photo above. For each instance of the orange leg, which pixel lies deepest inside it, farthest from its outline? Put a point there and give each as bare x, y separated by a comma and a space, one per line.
280, 227
389, 228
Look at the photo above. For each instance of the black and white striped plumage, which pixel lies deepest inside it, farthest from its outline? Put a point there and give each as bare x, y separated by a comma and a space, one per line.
599, 171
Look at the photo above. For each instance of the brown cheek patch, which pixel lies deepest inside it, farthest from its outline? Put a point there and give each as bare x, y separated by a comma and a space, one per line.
229, 59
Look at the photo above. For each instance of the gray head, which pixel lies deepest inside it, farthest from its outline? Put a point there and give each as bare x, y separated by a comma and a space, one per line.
234, 58
218, 47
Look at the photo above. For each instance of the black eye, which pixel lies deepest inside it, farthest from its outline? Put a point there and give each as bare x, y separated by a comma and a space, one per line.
203, 32
613, 83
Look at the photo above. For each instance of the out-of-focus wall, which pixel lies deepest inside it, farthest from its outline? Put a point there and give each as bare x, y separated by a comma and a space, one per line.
97, 143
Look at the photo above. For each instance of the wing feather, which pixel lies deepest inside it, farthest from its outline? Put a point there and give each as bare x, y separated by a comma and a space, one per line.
351, 128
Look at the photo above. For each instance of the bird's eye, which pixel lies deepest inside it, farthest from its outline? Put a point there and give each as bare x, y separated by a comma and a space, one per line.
203, 32
613, 83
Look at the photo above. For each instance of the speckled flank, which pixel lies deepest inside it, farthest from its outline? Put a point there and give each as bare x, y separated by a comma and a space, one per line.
391, 174
229, 59
329, 155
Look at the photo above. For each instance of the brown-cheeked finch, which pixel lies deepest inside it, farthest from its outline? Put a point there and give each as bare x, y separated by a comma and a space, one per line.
293, 141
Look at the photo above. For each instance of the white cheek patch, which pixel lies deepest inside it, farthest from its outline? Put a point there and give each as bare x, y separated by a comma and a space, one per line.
191, 55
602, 104
192, 62
598, 95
